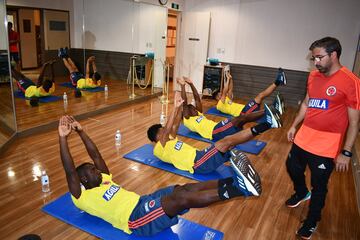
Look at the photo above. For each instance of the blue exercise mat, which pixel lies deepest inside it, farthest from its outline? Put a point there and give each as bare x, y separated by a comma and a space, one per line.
252, 146
64, 209
214, 111
69, 85
46, 99
145, 155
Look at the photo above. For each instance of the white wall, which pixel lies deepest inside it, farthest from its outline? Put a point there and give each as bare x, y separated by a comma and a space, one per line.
3, 33
277, 33
67, 5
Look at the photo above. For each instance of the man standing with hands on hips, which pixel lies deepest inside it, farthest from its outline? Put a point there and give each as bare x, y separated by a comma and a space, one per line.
330, 115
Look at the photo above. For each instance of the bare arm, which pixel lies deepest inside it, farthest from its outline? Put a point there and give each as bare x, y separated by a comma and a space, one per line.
68, 163
94, 66
342, 161
299, 118
195, 94
90, 147
174, 120
88, 62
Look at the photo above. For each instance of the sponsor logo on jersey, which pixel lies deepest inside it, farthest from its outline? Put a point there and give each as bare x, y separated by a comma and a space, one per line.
178, 145
151, 203
198, 120
223, 122
331, 91
106, 183
110, 193
318, 103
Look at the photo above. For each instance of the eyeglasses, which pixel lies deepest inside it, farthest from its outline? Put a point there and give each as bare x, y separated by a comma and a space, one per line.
318, 58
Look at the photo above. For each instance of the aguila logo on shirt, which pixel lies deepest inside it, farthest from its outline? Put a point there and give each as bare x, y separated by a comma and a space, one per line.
198, 120
110, 193
330, 91
178, 145
318, 103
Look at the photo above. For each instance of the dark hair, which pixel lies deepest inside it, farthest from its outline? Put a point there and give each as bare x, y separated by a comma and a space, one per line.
97, 76
77, 93
81, 168
30, 237
152, 132
215, 93
330, 44
34, 101
10, 24
47, 84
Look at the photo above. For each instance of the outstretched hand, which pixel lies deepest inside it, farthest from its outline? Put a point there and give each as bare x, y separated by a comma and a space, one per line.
74, 124
228, 75
188, 80
178, 101
64, 127
91, 59
180, 81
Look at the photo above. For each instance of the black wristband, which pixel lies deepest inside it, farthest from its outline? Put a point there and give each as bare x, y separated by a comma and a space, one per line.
346, 153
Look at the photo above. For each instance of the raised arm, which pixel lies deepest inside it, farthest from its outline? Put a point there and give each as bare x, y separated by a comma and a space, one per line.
231, 85
298, 119
41, 76
195, 94
182, 83
174, 120
90, 146
342, 161
88, 62
94, 65
71, 175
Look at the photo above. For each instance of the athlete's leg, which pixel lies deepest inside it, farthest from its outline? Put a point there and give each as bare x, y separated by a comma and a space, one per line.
267, 92
68, 65
240, 120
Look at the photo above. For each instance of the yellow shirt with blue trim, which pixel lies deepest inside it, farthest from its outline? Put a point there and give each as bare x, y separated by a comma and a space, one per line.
108, 201
201, 125
87, 83
178, 153
229, 107
34, 91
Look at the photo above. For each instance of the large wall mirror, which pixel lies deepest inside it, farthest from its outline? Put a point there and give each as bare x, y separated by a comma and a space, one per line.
125, 41
7, 114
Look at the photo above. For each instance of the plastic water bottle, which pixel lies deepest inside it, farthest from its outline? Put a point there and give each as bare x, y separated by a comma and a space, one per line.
45, 184
65, 97
162, 119
106, 89
118, 138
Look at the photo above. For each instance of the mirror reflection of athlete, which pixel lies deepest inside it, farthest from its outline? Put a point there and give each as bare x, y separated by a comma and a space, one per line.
187, 158
78, 79
196, 121
44, 86
143, 215
225, 97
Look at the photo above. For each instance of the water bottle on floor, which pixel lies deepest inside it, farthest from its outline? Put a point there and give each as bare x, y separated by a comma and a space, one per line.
65, 97
162, 119
106, 88
45, 184
117, 138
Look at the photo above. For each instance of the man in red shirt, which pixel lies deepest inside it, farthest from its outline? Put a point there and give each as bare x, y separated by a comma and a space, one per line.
14, 39
330, 115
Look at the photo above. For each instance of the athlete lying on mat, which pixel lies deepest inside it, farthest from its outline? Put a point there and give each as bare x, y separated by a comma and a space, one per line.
226, 105
94, 192
187, 158
77, 78
194, 119
43, 87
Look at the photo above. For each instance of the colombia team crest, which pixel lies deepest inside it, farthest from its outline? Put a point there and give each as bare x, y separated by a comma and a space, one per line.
330, 91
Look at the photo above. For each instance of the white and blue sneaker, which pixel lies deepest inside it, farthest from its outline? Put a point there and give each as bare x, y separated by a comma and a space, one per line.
280, 77
272, 117
279, 104
247, 180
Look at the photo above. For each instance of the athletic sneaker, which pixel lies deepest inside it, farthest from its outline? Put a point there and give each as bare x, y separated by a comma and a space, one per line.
247, 179
279, 104
306, 230
61, 53
271, 117
295, 200
280, 77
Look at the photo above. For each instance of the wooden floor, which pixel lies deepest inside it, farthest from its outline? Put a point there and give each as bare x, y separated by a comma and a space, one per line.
30, 117
263, 217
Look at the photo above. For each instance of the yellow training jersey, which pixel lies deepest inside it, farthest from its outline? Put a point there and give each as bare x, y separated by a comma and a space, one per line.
108, 201
34, 91
229, 107
87, 83
201, 125
178, 153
